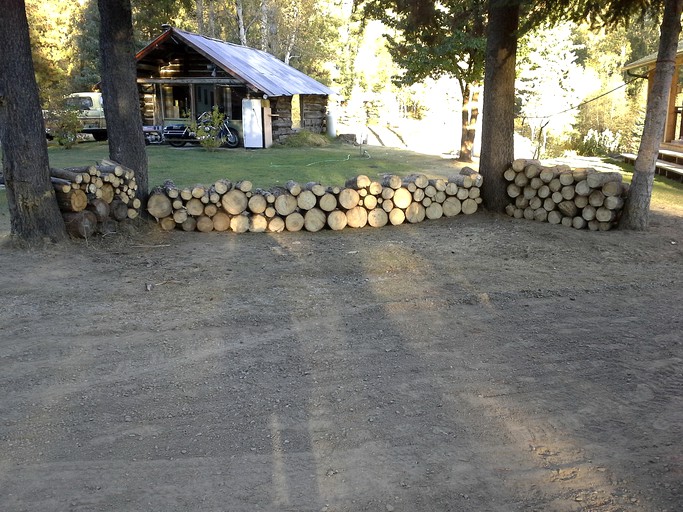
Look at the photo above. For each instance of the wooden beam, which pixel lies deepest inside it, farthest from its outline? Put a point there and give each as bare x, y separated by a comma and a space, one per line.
192, 81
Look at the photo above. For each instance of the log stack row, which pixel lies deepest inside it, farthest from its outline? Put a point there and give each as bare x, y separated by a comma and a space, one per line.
94, 199
361, 202
580, 198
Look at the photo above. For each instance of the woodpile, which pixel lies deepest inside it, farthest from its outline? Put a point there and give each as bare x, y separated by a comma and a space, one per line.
580, 198
361, 202
94, 199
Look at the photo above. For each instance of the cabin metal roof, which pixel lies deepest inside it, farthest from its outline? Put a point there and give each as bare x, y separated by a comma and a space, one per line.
650, 59
258, 69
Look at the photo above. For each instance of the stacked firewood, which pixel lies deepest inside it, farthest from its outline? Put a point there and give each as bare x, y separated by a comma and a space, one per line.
94, 199
361, 202
580, 198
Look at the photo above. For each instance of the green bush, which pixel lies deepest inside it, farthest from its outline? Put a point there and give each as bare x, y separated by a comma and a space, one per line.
64, 127
208, 130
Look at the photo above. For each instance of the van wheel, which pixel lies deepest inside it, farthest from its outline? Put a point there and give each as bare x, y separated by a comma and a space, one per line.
100, 136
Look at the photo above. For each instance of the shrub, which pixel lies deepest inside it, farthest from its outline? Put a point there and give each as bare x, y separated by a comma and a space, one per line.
64, 127
208, 129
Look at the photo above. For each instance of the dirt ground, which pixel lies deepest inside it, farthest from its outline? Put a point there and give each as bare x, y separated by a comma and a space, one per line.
477, 363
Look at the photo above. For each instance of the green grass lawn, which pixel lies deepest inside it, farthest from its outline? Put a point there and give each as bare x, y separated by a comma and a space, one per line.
329, 165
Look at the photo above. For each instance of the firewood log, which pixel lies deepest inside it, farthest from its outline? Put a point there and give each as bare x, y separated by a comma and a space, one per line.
315, 187
244, 185
519, 164
603, 214
101, 209
356, 217
336, 220
556, 185
314, 220
581, 201
167, 223
194, 207
598, 179
306, 200
285, 204
82, 224
387, 205
512, 191
402, 198
469, 206
198, 191
72, 201
107, 192
204, 224
582, 189
118, 210
540, 215
235, 202
276, 225
293, 187
509, 174
189, 224
567, 221
179, 216
521, 180
369, 202
419, 180
434, 211
257, 203
554, 217
375, 188
588, 212
596, 198
475, 192
548, 204
258, 223
186, 193
568, 208
415, 213
65, 174
566, 178
419, 194
327, 202
529, 213
222, 186
377, 218
221, 221
239, 223
397, 216
535, 202
210, 210
613, 202
358, 182
535, 183
451, 206
612, 188
294, 222
391, 181
548, 174
348, 198
532, 170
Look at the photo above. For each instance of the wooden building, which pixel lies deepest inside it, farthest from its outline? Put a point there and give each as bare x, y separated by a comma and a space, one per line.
670, 161
181, 74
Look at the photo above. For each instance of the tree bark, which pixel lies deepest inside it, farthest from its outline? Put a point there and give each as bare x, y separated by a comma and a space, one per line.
34, 214
499, 100
120, 90
637, 208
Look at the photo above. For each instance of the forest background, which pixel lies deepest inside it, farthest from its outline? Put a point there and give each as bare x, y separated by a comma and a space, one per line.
560, 69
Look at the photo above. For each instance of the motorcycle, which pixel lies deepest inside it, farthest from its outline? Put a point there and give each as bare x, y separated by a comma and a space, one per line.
177, 135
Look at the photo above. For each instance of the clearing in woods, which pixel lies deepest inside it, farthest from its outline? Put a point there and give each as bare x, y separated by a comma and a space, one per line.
476, 363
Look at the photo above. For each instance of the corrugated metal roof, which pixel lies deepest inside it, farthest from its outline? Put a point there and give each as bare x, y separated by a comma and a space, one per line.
650, 59
257, 68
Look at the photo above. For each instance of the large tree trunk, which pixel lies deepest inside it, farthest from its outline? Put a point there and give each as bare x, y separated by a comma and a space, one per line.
34, 214
497, 141
637, 208
120, 90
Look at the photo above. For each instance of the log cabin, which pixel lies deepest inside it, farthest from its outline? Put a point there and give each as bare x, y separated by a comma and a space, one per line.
181, 74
